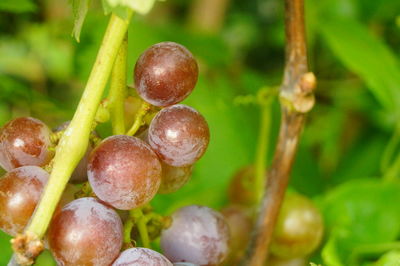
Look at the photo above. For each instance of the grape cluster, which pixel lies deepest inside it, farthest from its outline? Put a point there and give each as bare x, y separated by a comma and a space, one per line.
118, 174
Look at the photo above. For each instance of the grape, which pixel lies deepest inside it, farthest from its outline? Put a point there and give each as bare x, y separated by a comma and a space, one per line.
179, 135
20, 191
124, 172
198, 235
141, 257
275, 261
24, 141
241, 187
173, 178
240, 227
80, 172
85, 232
299, 228
165, 74
184, 264
131, 107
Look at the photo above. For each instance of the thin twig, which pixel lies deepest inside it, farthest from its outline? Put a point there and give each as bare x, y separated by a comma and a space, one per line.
296, 95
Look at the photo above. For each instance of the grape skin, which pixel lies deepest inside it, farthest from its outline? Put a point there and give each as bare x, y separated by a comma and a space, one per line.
173, 178
85, 232
20, 191
24, 141
124, 172
179, 135
198, 235
185, 264
165, 74
240, 224
141, 257
299, 228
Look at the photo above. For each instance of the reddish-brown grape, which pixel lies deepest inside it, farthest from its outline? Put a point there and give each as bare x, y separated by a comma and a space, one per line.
173, 178
179, 135
299, 228
85, 232
240, 225
141, 257
24, 141
165, 74
124, 172
20, 191
198, 235
241, 188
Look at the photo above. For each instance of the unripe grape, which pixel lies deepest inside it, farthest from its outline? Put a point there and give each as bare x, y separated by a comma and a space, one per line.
198, 235
173, 178
299, 228
275, 261
179, 135
141, 257
165, 74
124, 172
241, 188
85, 232
240, 225
24, 141
20, 191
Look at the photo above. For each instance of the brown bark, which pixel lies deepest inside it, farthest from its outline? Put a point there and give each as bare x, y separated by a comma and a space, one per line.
296, 95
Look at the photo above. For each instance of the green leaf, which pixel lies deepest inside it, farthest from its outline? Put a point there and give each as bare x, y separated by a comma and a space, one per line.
359, 213
6, 251
79, 9
391, 258
17, 6
367, 56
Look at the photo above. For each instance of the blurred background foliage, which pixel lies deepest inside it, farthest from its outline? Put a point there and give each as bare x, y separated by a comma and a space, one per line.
354, 48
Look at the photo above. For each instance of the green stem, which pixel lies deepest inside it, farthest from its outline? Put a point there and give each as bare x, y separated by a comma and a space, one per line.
140, 221
127, 231
262, 148
139, 118
118, 90
73, 143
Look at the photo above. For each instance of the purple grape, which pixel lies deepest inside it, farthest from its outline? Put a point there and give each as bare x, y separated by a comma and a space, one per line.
24, 141
185, 264
165, 74
141, 257
198, 235
85, 232
20, 191
179, 135
124, 172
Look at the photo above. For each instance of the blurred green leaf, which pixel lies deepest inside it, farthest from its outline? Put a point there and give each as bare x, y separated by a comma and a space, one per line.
391, 258
367, 56
360, 212
17, 6
79, 9
6, 251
